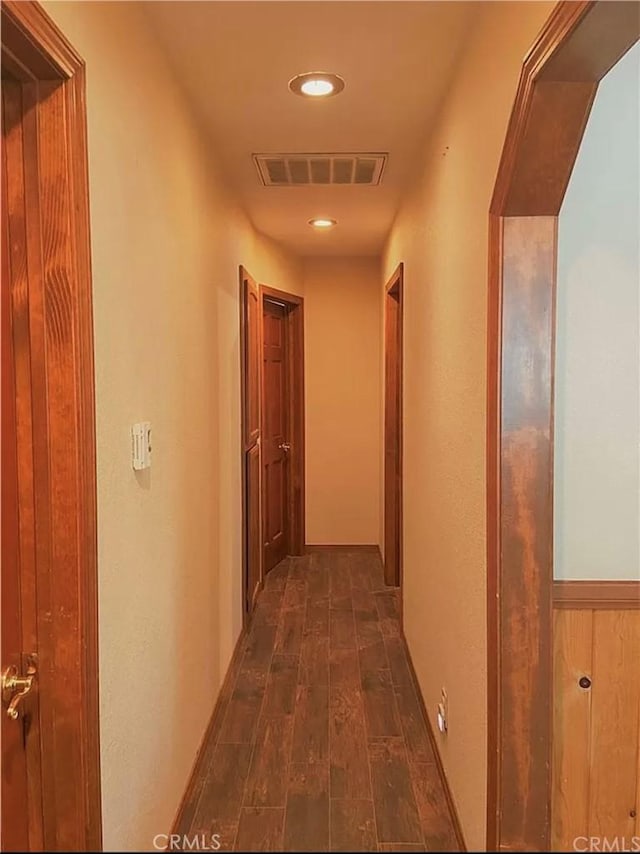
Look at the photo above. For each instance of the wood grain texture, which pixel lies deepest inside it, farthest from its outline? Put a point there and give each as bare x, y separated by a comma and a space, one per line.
280, 695
573, 659
397, 817
266, 785
294, 308
260, 829
596, 726
311, 733
186, 809
596, 594
60, 464
380, 708
393, 430
615, 712
18, 569
348, 744
525, 626
559, 78
437, 828
353, 826
303, 779
306, 824
251, 461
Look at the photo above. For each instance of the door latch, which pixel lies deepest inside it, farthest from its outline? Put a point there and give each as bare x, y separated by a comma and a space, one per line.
15, 687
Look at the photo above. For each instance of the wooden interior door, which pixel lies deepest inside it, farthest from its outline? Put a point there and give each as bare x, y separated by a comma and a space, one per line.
251, 347
50, 732
393, 431
275, 431
21, 791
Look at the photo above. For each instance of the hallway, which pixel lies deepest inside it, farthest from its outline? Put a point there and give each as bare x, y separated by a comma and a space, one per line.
319, 742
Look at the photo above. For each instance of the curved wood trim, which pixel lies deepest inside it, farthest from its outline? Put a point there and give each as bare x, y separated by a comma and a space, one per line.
580, 42
36, 52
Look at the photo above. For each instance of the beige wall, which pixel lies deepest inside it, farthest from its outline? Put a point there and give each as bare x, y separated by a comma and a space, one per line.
441, 235
343, 398
597, 381
166, 242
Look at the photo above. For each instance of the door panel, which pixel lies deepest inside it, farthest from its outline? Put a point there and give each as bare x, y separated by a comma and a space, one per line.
596, 735
21, 765
275, 434
393, 436
15, 828
251, 435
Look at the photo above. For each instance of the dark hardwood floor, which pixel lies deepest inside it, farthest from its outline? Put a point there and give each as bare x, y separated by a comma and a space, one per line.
321, 743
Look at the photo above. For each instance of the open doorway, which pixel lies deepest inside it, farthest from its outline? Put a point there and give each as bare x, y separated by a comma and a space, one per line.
272, 378
580, 43
393, 428
50, 748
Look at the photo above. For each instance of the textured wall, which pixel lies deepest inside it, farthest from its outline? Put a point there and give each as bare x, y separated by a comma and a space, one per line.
441, 235
343, 399
166, 244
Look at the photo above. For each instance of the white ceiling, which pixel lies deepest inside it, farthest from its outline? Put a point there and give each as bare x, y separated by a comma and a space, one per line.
236, 58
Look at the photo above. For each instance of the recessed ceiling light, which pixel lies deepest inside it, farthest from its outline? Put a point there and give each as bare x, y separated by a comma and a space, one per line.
316, 84
322, 223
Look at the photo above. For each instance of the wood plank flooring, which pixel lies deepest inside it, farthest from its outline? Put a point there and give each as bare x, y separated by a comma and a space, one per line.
322, 745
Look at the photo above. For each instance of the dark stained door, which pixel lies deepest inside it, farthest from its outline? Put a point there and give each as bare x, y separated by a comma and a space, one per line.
251, 438
275, 431
393, 434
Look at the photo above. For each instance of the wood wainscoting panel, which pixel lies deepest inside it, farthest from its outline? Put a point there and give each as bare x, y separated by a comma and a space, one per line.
615, 708
596, 737
573, 633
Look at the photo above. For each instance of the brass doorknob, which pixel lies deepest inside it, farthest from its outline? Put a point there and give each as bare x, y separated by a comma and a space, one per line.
15, 687
285, 446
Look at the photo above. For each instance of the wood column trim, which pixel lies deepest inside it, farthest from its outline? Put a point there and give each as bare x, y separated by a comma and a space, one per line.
579, 43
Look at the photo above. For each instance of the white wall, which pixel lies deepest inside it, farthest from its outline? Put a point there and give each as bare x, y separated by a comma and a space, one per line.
343, 343
167, 240
597, 415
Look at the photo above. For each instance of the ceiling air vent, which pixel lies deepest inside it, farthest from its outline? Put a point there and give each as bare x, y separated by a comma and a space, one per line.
303, 170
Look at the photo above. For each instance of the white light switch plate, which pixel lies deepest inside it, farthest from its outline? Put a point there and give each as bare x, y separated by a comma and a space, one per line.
141, 445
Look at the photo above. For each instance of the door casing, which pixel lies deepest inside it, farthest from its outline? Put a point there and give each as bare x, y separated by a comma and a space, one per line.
579, 44
59, 464
393, 357
296, 474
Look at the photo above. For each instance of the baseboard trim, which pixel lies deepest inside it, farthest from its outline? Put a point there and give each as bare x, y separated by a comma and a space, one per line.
436, 751
311, 548
188, 803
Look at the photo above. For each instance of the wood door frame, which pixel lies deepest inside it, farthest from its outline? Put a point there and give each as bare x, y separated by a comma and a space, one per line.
295, 331
245, 276
578, 45
394, 289
295, 321
35, 52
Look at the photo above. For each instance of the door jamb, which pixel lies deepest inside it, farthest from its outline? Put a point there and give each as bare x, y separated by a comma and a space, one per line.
36, 52
244, 275
295, 329
394, 289
578, 45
